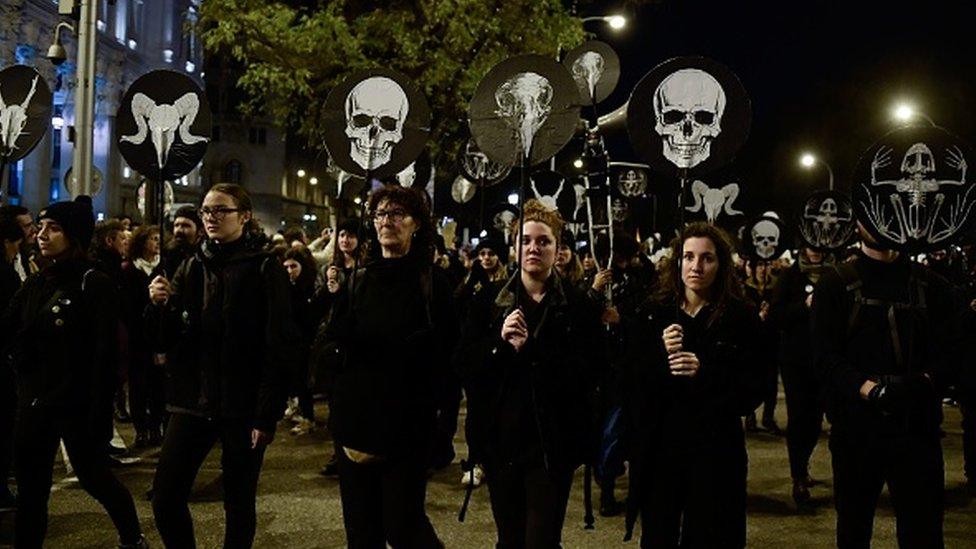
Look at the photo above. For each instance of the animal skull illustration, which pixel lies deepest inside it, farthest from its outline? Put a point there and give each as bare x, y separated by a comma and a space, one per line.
917, 182
408, 176
524, 102
587, 71
376, 110
549, 201
632, 183
827, 225
688, 108
479, 166
713, 200
161, 123
619, 209
462, 191
13, 118
765, 237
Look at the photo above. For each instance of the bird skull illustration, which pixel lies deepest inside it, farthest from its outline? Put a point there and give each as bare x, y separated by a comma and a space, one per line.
162, 123
524, 102
376, 110
688, 109
587, 71
13, 118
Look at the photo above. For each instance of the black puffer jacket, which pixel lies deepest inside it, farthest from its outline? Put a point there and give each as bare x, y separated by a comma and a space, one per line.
228, 333
535, 404
387, 352
62, 341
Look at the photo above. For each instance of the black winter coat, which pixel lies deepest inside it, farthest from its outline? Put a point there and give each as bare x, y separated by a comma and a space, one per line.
536, 404
227, 330
62, 340
386, 350
791, 316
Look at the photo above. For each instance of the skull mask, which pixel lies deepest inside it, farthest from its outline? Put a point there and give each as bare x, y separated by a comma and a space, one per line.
587, 71
688, 108
765, 237
376, 109
524, 102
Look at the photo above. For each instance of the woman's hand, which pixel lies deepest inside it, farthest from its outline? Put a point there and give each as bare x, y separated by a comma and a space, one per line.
159, 290
514, 330
601, 279
332, 279
684, 364
260, 438
673, 336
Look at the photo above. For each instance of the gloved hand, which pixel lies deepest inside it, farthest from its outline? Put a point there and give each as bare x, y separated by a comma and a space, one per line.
890, 395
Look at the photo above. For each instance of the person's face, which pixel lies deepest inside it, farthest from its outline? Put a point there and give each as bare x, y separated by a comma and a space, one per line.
488, 259
763, 270
221, 218
51, 239
348, 242
184, 230
117, 242
126, 223
564, 255
589, 263
699, 264
27, 225
538, 248
813, 256
394, 227
152, 245
294, 269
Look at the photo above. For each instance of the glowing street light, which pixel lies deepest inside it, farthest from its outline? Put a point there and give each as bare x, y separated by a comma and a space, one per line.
616, 22
301, 173
578, 163
313, 181
808, 161
903, 112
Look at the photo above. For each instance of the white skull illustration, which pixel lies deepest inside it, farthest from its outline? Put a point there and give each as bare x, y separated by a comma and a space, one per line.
765, 237
918, 162
462, 191
587, 71
408, 176
549, 201
619, 209
13, 118
688, 108
632, 183
162, 122
376, 110
524, 102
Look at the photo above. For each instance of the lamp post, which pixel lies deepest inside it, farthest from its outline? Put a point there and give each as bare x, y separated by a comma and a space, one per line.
904, 112
808, 160
85, 98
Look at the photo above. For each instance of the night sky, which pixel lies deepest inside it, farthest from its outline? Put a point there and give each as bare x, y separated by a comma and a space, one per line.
823, 77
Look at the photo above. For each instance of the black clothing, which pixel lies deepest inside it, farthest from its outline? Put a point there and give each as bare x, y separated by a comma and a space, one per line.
229, 337
188, 440
688, 455
387, 347
384, 503
804, 394
9, 284
895, 323
530, 413
146, 380
769, 349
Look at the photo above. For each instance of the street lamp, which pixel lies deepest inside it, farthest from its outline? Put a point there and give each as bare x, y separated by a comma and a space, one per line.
301, 173
616, 22
904, 112
808, 161
313, 181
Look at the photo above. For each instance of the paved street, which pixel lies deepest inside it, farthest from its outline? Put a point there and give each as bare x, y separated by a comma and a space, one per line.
297, 508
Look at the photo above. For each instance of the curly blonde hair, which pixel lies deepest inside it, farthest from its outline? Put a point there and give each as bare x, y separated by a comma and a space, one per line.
533, 210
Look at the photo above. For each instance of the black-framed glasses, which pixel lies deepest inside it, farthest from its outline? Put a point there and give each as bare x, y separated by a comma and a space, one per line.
218, 213
395, 215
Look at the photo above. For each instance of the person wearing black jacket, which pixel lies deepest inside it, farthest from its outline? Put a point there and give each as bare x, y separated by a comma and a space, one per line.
527, 359
11, 236
886, 338
226, 328
60, 332
790, 313
694, 371
187, 229
388, 345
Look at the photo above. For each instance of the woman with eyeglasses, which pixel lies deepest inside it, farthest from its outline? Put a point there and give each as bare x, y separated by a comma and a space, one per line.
528, 365
226, 327
693, 371
390, 338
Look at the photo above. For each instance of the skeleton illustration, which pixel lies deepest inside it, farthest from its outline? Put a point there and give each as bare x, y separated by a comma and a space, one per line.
619, 209
376, 110
479, 166
524, 102
13, 118
827, 225
688, 108
462, 191
587, 71
714, 200
549, 201
632, 183
765, 237
918, 181
162, 122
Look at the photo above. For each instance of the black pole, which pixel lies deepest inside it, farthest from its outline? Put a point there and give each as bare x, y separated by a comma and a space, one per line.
521, 221
3, 178
481, 215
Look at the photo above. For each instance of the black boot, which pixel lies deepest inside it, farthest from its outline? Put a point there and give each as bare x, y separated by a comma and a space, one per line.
609, 506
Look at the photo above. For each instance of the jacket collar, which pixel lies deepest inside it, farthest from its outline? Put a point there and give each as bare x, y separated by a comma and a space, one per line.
554, 291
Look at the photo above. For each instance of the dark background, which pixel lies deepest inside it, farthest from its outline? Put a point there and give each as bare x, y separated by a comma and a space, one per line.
823, 77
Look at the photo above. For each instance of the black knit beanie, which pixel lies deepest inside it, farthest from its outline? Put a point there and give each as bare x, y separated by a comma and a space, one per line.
76, 219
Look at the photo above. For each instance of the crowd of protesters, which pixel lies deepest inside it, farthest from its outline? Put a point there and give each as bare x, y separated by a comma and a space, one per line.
618, 359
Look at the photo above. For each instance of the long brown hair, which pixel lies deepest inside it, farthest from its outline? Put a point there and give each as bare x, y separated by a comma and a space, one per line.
140, 237
726, 287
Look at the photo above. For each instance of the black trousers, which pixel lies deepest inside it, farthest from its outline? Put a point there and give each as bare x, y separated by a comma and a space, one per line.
968, 410
146, 392
187, 442
694, 498
911, 465
804, 413
528, 504
8, 415
39, 429
384, 502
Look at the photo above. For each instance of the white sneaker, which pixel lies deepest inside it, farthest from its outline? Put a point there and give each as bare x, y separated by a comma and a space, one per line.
478, 474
